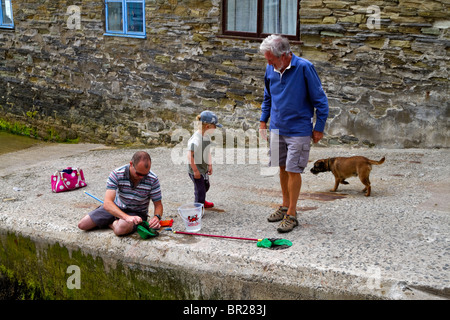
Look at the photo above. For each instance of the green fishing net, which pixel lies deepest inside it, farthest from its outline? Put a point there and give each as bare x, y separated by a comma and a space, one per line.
275, 244
145, 231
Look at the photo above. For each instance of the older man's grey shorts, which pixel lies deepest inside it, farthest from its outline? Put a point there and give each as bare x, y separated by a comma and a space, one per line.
291, 152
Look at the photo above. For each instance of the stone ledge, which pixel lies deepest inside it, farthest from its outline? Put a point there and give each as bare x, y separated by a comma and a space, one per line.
387, 246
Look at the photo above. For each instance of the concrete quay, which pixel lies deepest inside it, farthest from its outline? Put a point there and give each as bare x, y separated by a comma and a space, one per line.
391, 245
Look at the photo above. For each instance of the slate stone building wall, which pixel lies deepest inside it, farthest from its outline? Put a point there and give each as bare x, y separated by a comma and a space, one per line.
387, 85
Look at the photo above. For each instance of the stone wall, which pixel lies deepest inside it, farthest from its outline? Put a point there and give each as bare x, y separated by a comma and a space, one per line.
387, 86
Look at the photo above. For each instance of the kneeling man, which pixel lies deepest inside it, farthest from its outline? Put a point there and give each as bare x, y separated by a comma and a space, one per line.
129, 190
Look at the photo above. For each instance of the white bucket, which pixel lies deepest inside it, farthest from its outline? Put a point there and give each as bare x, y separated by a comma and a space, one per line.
191, 214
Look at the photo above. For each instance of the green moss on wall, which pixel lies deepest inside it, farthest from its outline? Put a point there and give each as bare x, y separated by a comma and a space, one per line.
41, 271
17, 128
49, 133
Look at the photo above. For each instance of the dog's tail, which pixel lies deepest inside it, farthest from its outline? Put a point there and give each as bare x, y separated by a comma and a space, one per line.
377, 162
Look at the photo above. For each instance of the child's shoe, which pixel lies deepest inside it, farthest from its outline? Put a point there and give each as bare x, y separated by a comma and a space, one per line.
208, 204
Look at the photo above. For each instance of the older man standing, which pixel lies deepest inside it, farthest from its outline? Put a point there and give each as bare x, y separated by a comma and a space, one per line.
292, 93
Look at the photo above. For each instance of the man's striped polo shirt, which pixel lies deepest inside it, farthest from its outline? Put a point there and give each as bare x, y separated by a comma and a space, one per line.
133, 198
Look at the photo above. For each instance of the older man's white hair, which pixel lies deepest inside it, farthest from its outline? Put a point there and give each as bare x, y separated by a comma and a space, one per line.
275, 44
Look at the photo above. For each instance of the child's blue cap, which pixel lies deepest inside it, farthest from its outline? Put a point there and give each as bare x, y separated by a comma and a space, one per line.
210, 117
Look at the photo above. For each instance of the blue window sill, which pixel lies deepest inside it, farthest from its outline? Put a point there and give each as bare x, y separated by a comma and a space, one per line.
138, 36
6, 27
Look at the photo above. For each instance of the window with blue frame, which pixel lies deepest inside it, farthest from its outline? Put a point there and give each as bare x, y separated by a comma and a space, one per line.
125, 18
6, 16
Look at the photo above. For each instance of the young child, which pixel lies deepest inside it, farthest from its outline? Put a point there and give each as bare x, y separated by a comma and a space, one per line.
199, 156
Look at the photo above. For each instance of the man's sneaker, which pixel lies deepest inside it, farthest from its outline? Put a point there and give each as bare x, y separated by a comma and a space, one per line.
278, 215
288, 223
208, 204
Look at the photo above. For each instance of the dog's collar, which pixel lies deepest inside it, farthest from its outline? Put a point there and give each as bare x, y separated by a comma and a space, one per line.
328, 164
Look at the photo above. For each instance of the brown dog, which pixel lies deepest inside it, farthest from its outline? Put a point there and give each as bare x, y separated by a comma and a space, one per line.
343, 168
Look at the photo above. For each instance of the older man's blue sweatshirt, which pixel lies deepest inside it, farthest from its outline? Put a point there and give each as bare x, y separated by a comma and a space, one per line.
290, 99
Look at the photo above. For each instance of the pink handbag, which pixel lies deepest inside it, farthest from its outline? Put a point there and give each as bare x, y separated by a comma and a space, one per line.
68, 179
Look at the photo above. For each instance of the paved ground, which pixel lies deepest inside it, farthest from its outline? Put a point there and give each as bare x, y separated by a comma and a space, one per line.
392, 245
